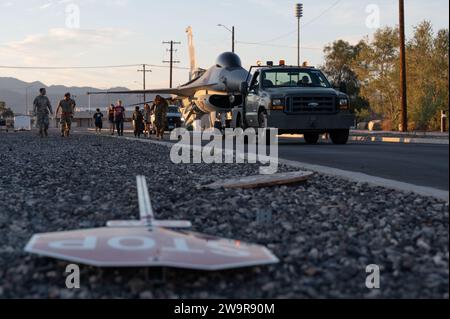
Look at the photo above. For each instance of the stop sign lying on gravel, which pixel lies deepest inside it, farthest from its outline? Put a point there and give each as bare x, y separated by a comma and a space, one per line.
149, 243
141, 247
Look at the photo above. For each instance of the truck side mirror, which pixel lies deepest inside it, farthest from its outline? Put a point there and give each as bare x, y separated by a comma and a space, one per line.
244, 88
343, 87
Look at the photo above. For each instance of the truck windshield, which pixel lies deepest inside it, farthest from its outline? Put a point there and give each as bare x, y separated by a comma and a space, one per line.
174, 109
294, 78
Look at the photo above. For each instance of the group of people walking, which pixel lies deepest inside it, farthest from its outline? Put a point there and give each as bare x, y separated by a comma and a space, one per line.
42, 109
151, 118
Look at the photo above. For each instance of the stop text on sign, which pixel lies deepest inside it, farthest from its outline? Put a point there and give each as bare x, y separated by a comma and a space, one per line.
143, 243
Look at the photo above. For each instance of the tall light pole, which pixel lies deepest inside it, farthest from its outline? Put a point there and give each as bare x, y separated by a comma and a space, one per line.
26, 98
403, 87
299, 15
233, 37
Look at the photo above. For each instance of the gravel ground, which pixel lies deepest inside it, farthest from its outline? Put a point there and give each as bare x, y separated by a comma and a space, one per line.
325, 232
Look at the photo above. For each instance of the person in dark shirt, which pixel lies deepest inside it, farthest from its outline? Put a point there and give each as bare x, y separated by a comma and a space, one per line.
119, 117
98, 119
160, 110
138, 122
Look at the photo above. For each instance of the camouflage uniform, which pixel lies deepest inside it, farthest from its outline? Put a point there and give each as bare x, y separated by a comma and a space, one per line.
67, 108
160, 111
42, 109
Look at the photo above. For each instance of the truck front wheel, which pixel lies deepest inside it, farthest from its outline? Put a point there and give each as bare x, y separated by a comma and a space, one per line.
340, 137
262, 119
311, 138
240, 122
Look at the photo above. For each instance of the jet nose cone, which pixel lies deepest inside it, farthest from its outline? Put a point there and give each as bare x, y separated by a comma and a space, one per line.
229, 60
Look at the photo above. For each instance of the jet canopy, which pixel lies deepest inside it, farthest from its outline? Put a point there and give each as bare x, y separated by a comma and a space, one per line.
229, 60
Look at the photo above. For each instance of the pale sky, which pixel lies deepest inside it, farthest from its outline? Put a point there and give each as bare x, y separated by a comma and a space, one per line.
117, 32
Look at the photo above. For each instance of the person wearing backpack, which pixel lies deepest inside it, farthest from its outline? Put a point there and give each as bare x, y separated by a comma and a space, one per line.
138, 122
119, 117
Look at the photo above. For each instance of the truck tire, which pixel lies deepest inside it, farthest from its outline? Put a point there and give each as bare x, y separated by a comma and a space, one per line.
311, 138
340, 137
263, 124
240, 122
262, 119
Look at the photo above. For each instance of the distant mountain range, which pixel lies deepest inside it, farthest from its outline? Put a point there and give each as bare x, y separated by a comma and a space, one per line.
13, 92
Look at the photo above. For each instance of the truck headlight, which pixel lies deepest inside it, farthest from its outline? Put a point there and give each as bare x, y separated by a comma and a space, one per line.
277, 102
344, 104
277, 105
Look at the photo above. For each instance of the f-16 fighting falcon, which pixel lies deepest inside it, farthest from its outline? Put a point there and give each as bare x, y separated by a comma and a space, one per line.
217, 89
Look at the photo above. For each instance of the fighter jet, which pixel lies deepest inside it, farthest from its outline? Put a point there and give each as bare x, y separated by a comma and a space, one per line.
217, 89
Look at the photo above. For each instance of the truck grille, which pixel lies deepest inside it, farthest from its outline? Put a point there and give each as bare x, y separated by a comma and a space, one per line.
311, 104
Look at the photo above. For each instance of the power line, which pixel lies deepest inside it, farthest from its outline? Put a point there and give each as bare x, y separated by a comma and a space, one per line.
304, 25
15, 67
278, 45
321, 14
67, 67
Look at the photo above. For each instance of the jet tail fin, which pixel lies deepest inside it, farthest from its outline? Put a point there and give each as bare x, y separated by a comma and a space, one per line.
192, 57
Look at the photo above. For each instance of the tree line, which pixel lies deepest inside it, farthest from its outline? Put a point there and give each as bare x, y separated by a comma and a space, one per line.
5, 112
371, 70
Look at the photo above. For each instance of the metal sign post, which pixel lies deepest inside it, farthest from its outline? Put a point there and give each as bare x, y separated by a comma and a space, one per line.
147, 217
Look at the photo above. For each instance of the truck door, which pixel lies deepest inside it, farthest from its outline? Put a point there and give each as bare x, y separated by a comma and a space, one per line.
253, 101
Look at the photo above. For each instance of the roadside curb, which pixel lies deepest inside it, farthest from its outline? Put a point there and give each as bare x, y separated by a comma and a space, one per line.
384, 139
400, 140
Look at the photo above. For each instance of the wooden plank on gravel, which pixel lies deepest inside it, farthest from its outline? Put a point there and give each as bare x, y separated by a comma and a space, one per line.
260, 181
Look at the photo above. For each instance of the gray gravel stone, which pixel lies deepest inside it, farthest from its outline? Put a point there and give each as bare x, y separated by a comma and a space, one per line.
325, 232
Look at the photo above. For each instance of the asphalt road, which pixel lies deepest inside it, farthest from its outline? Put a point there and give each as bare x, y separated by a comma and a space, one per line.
418, 164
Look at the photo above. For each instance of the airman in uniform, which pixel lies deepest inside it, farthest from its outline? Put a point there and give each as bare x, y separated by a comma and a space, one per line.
67, 108
42, 108
160, 110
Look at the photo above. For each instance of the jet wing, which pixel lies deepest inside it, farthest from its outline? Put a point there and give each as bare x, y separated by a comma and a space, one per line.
182, 91
160, 91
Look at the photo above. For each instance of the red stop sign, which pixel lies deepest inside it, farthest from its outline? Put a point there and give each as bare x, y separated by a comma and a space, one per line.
141, 247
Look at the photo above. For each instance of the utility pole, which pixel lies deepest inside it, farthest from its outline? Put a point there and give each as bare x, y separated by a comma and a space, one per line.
171, 61
233, 36
144, 72
233, 40
403, 87
299, 15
